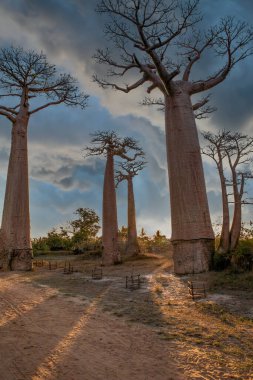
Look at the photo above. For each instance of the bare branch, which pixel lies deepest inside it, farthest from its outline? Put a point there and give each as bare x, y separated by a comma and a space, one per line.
195, 47
150, 27
11, 94
127, 170
204, 113
109, 142
27, 72
104, 84
8, 115
151, 75
216, 147
45, 106
147, 101
11, 110
104, 57
232, 40
145, 33
237, 149
201, 103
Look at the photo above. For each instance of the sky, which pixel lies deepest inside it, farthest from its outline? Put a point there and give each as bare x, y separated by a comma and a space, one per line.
61, 178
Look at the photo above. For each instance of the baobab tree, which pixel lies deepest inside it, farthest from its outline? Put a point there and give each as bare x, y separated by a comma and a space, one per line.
160, 40
231, 151
25, 78
215, 150
109, 144
238, 151
126, 172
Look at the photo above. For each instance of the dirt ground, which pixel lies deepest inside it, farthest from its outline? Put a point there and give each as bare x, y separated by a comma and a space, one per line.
70, 327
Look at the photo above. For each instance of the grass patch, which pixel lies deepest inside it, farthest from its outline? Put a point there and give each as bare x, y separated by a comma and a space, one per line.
232, 281
44, 254
141, 257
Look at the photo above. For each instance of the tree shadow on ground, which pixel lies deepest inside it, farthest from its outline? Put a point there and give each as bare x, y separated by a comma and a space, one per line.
104, 330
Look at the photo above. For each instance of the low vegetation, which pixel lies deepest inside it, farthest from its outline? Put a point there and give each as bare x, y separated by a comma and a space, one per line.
78, 234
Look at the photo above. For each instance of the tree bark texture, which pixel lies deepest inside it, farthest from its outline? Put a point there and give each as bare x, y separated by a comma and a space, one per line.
237, 217
224, 245
111, 254
236, 225
132, 248
192, 234
15, 230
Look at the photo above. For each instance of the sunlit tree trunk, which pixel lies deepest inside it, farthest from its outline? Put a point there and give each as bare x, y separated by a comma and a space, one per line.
192, 234
132, 242
111, 254
224, 238
16, 216
24, 76
154, 31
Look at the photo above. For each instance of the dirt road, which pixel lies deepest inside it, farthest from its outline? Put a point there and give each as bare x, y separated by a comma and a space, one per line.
48, 336
58, 327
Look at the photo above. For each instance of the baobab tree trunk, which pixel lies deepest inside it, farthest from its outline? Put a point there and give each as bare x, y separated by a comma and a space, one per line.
132, 248
236, 225
15, 230
235, 230
192, 235
111, 254
224, 245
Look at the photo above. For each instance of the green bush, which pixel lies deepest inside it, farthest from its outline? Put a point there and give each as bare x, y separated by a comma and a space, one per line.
220, 261
242, 257
40, 245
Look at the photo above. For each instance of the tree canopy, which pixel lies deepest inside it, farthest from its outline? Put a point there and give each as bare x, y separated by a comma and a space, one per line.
162, 41
86, 226
26, 75
104, 142
76, 234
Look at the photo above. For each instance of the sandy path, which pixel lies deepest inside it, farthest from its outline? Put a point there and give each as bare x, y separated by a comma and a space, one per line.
45, 335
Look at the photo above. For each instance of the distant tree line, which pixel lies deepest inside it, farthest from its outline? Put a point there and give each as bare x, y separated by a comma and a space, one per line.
81, 235
77, 233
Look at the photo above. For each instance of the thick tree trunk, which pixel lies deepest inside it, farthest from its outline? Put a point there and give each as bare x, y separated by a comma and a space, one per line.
15, 230
192, 234
132, 248
224, 245
111, 254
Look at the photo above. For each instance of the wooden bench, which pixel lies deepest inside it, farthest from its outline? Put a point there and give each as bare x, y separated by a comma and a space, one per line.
197, 289
68, 268
97, 273
133, 282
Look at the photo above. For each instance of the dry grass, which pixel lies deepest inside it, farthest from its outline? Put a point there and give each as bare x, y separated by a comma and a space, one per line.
209, 340
232, 281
